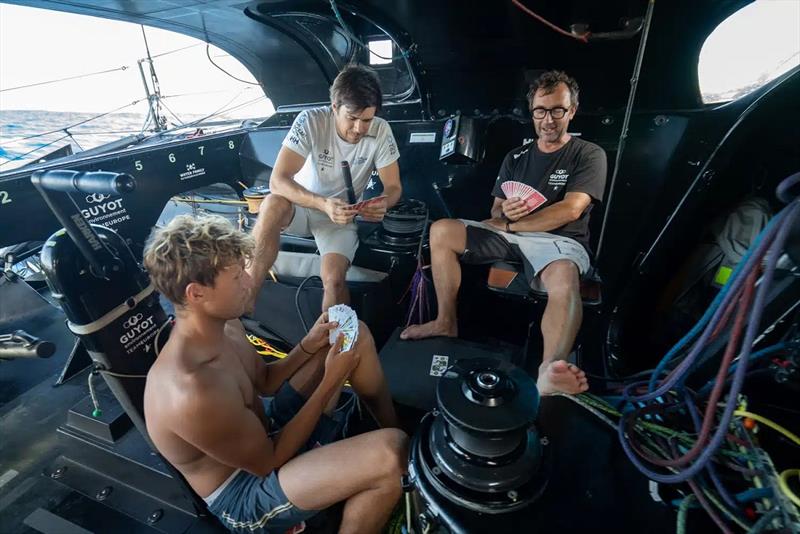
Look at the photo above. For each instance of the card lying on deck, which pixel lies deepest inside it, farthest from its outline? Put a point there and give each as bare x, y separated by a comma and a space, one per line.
532, 198
348, 325
368, 202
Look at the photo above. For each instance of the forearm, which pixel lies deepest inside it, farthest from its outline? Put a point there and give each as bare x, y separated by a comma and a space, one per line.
295, 193
299, 428
281, 370
497, 211
547, 219
393, 194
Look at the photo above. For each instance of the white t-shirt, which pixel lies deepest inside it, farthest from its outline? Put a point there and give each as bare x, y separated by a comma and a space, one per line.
313, 133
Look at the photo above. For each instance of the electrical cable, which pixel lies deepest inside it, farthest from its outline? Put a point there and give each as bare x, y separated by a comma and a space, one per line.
297, 300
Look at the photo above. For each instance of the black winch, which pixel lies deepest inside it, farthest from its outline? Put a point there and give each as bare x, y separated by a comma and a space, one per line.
478, 457
404, 223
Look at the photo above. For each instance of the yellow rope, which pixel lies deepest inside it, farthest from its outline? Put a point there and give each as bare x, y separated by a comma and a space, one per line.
262, 347
783, 482
768, 422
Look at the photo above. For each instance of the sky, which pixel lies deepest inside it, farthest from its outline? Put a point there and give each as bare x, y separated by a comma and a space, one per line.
38, 45
763, 34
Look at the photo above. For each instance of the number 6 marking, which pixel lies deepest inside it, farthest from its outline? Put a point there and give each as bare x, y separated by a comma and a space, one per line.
171, 157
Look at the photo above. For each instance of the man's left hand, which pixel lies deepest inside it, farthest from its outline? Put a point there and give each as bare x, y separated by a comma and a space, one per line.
318, 337
375, 211
497, 223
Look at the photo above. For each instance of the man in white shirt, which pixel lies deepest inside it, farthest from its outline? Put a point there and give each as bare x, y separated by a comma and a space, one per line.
308, 192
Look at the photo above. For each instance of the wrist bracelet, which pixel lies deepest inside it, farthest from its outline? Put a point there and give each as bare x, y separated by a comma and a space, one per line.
300, 344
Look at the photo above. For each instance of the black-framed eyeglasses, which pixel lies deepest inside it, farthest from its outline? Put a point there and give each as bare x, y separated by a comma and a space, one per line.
556, 113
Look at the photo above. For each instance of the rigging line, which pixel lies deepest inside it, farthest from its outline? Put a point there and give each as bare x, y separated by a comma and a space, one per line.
204, 93
34, 150
172, 113
224, 110
208, 54
124, 67
623, 135
176, 50
66, 131
80, 122
584, 38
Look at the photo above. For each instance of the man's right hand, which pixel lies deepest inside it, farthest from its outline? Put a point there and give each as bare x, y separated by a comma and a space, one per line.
514, 208
338, 211
339, 365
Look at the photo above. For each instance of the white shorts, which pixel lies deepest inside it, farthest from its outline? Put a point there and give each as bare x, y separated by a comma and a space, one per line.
330, 237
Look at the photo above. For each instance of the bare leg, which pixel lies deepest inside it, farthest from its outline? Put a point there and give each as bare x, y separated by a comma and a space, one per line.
367, 379
369, 382
274, 214
333, 271
364, 470
560, 323
448, 241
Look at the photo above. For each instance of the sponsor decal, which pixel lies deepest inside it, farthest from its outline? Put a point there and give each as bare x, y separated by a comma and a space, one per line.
518, 154
325, 159
191, 172
558, 178
96, 198
139, 329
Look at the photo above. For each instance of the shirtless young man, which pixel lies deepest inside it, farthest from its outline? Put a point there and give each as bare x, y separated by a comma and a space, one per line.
261, 469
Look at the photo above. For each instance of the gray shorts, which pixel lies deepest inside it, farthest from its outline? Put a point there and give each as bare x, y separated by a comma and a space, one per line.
248, 503
330, 237
536, 250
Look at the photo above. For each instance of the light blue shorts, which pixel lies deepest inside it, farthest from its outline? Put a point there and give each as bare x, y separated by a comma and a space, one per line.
250, 504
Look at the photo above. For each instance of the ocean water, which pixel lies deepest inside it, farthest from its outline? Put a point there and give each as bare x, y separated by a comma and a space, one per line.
21, 140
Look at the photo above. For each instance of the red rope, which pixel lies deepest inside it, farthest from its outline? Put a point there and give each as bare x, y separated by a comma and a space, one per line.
582, 38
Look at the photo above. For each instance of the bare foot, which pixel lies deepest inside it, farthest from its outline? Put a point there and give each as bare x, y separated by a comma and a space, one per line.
561, 377
429, 329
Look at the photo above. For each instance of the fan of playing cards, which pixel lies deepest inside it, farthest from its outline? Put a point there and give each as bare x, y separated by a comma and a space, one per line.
348, 325
532, 198
368, 202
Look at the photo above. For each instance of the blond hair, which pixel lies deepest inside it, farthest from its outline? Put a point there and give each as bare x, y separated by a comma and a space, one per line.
193, 249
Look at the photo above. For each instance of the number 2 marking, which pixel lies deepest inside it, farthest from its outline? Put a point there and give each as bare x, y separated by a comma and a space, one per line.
4, 198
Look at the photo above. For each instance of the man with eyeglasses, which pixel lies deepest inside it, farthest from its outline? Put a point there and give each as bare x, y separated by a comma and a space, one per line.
552, 241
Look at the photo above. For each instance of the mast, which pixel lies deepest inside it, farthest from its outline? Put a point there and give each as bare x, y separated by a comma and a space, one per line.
154, 96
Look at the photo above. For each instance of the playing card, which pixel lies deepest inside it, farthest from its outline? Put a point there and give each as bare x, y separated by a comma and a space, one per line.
348, 325
368, 202
438, 365
534, 200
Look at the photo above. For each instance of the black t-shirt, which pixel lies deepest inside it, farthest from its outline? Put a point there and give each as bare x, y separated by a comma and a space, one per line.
578, 166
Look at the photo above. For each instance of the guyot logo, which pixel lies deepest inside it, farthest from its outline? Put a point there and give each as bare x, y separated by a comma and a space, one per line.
135, 325
96, 198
